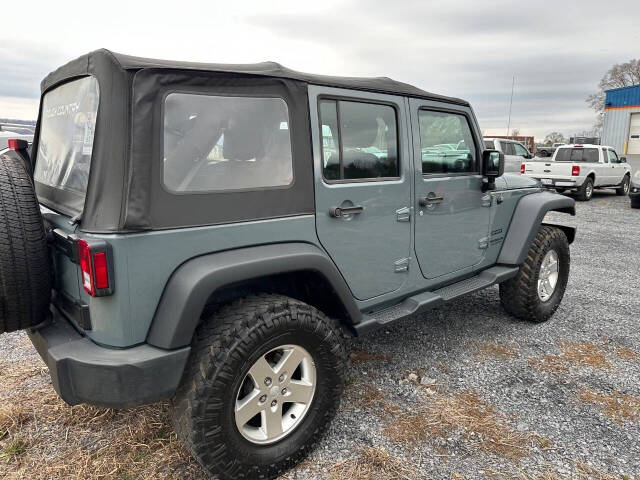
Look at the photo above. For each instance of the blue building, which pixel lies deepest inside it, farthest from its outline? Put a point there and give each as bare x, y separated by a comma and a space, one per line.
622, 120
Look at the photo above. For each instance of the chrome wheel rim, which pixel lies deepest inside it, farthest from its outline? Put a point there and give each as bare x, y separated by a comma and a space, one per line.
275, 394
589, 189
626, 186
548, 276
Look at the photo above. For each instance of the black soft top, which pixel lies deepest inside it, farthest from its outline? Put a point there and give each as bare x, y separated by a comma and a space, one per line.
124, 191
264, 69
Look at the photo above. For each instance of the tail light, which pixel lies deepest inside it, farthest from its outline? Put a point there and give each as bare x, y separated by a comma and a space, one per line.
17, 144
522, 167
96, 267
575, 171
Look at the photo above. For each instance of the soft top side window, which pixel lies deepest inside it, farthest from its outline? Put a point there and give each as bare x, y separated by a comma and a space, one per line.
223, 143
359, 140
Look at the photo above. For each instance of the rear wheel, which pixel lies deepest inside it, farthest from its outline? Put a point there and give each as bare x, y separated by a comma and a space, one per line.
624, 187
264, 380
585, 192
635, 202
535, 293
25, 270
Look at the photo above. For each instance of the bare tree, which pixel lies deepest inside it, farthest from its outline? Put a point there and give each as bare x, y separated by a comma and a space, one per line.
515, 132
620, 75
554, 137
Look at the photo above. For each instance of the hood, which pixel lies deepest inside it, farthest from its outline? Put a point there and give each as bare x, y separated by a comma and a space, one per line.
515, 181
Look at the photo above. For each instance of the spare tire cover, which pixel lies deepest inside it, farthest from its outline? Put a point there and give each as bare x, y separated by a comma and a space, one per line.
25, 264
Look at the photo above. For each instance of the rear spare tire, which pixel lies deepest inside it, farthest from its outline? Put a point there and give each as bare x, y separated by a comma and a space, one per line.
25, 269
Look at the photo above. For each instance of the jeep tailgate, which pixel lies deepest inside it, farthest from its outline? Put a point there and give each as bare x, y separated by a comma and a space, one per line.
548, 169
66, 270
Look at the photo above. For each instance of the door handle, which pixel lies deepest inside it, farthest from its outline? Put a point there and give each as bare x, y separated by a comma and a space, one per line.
426, 201
338, 212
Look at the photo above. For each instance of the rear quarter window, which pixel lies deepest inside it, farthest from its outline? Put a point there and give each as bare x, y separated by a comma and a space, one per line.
225, 143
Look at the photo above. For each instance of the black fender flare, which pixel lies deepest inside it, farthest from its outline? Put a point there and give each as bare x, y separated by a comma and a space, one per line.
191, 285
526, 221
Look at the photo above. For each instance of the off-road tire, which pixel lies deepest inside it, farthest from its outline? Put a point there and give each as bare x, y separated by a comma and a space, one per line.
583, 192
519, 295
224, 348
635, 202
624, 187
25, 268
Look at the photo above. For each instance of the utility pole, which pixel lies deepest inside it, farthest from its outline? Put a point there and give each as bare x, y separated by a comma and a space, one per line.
513, 83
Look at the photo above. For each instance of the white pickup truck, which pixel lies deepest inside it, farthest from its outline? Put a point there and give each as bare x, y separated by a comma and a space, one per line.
581, 168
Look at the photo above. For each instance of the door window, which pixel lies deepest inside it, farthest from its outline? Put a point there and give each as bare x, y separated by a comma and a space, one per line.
446, 143
613, 156
507, 148
359, 141
520, 150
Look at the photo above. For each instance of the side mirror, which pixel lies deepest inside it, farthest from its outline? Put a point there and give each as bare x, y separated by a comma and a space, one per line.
623, 159
492, 164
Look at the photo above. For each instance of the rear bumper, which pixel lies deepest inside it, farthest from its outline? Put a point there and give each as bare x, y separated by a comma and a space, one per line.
84, 372
567, 183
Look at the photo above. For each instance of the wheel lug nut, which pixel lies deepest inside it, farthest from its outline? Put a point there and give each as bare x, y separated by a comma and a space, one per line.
267, 381
282, 377
284, 391
274, 403
263, 398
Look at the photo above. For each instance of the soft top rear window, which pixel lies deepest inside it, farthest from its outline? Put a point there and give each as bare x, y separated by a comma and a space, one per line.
67, 126
577, 155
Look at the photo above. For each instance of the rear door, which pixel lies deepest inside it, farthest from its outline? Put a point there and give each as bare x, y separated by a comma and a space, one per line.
453, 213
362, 186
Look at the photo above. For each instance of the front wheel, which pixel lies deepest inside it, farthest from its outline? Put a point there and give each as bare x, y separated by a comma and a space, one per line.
262, 385
535, 293
624, 187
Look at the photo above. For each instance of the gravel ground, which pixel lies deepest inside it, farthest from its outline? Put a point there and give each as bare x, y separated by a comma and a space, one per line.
502, 398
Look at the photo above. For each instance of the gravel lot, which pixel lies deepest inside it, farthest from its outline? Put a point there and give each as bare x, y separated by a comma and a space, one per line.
465, 391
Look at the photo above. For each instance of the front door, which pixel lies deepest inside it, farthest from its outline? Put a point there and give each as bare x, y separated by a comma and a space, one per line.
363, 183
453, 213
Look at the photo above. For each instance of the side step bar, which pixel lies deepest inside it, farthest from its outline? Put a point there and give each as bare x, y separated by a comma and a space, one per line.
428, 300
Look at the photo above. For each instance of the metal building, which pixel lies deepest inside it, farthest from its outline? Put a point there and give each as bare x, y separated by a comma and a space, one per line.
622, 122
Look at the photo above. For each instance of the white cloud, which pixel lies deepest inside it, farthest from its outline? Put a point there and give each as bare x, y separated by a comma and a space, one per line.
557, 50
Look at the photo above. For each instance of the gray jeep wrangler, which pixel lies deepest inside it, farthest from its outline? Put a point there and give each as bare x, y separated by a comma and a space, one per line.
214, 234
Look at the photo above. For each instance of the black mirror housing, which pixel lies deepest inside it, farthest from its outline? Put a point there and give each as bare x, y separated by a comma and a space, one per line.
623, 159
492, 164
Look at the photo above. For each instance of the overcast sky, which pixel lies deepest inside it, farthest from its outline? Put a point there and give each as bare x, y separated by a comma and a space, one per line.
557, 50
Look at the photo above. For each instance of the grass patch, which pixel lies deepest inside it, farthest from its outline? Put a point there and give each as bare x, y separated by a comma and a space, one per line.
368, 396
616, 406
373, 464
465, 413
573, 354
496, 350
628, 354
13, 449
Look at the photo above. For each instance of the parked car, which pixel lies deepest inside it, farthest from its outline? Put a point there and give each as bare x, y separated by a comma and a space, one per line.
634, 193
580, 169
240, 223
514, 152
548, 150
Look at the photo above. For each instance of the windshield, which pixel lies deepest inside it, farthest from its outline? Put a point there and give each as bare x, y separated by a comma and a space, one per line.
67, 127
577, 155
